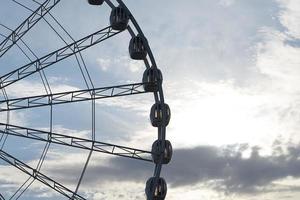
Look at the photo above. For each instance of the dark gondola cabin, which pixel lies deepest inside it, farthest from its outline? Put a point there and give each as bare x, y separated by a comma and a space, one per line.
96, 2
158, 112
160, 191
152, 77
162, 147
137, 48
119, 18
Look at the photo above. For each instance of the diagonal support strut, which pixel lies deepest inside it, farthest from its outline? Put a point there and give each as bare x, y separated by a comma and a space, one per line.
72, 96
26, 25
76, 142
56, 56
39, 176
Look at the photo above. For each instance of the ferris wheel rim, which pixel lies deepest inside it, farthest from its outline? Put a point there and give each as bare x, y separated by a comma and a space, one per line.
158, 95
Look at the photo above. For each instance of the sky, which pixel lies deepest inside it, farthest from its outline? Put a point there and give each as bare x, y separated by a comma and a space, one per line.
231, 76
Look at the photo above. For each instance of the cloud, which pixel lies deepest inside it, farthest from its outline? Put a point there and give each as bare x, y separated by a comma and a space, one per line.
290, 17
243, 63
227, 2
230, 169
117, 65
278, 60
226, 168
103, 63
203, 45
31, 88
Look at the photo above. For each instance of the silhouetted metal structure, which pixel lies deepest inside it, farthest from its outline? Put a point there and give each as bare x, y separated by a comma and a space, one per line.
71, 96
25, 26
77, 142
121, 19
39, 176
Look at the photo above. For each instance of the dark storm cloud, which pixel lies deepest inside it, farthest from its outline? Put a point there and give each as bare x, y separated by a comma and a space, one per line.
233, 172
225, 167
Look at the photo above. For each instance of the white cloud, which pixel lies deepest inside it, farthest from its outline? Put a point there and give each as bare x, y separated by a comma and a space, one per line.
208, 48
55, 79
31, 88
227, 2
219, 113
278, 60
70, 132
120, 64
290, 17
104, 63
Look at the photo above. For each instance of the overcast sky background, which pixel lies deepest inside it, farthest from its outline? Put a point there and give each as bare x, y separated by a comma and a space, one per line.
231, 77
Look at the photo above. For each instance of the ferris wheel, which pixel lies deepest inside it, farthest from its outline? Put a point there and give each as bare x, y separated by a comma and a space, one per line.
120, 20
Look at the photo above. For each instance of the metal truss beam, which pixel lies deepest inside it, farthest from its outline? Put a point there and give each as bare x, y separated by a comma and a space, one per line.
57, 56
71, 96
39, 176
76, 142
25, 26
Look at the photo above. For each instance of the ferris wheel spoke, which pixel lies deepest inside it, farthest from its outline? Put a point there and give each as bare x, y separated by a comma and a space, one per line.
76, 142
21, 190
24, 187
39, 176
57, 56
79, 60
72, 96
26, 25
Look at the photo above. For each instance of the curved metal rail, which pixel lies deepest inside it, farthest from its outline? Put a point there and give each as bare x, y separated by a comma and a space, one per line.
158, 96
50, 99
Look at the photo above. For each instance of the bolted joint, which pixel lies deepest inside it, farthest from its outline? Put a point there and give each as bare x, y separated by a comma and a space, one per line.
34, 173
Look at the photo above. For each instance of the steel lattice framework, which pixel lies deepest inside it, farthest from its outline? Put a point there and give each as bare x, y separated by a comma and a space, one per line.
71, 96
25, 26
90, 94
39, 176
76, 142
56, 56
